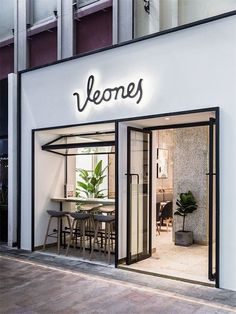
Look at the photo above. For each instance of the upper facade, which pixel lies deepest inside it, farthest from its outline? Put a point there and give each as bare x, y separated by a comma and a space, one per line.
37, 32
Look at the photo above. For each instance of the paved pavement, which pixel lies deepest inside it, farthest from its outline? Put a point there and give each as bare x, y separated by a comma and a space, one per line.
36, 283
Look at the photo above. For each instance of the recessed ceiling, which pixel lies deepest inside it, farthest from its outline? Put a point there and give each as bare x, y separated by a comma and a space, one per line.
174, 119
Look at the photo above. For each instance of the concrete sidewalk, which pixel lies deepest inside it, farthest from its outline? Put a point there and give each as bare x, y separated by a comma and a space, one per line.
39, 283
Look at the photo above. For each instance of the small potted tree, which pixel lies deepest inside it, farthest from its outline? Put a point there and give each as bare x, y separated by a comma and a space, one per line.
186, 205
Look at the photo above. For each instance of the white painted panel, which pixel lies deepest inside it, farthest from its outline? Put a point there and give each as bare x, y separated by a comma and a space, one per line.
49, 182
190, 69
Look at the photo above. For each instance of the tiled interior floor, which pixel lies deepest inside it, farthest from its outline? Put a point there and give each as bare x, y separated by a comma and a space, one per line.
189, 263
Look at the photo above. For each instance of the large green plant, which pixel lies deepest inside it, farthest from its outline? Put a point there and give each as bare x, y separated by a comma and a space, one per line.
91, 181
186, 205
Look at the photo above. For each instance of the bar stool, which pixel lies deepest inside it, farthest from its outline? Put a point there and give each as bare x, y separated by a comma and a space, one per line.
89, 207
108, 209
108, 220
79, 218
59, 216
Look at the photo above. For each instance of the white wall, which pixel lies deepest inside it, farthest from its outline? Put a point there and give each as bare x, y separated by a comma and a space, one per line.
194, 10
49, 182
190, 69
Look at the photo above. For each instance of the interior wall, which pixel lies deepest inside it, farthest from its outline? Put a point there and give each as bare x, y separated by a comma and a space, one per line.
165, 140
190, 168
111, 177
49, 182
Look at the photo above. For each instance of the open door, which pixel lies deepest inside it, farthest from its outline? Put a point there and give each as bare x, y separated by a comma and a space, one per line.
138, 195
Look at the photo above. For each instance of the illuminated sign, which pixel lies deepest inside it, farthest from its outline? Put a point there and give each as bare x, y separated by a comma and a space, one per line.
96, 96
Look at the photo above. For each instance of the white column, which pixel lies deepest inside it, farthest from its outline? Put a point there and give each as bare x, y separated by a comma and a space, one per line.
12, 158
115, 10
65, 29
20, 38
168, 14
125, 20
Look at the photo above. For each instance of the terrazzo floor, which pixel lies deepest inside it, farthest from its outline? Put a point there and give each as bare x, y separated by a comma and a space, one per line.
189, 263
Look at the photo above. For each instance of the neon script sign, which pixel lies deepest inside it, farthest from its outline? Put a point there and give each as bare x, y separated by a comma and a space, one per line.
96, 96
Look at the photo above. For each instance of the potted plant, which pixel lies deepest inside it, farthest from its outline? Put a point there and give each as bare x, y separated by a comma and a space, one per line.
186, 205
91, 181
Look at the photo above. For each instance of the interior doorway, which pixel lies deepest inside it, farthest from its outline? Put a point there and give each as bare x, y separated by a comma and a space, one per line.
165, 164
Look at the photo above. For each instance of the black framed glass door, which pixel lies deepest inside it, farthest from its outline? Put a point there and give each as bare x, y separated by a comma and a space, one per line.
213, 201
138, 194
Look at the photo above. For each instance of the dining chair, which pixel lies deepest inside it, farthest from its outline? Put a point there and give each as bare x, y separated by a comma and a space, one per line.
167, 214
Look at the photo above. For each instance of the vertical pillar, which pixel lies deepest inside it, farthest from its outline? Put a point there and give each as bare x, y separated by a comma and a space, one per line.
12, 158
20, 38
169, 14
65, 29
115, 10
125, 20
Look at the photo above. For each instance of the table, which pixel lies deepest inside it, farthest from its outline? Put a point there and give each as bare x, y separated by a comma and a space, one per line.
103, 201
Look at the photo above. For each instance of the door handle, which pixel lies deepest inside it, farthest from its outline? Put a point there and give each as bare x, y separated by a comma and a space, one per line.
132, 175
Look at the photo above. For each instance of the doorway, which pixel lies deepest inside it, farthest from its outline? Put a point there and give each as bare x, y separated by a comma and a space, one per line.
164, 161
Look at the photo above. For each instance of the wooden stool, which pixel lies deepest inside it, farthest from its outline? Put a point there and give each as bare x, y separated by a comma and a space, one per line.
108, 209
59, 216
108, 220
79, 218
88, 207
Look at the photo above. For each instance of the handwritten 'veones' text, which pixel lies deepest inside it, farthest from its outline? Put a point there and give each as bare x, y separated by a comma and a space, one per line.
96, 96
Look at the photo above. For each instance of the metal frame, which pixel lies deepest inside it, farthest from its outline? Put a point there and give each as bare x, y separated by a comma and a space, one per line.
76, 145
212, 133
117, 121
129, 260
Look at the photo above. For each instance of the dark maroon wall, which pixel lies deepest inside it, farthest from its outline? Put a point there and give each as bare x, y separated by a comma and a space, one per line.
6, 60
43, 48
94, 31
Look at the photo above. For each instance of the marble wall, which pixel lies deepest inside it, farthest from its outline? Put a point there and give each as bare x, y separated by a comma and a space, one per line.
189, 173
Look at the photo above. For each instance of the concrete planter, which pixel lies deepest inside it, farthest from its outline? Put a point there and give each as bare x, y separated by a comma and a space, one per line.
183, 238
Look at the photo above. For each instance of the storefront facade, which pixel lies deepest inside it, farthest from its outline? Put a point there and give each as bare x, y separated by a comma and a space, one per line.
184, 72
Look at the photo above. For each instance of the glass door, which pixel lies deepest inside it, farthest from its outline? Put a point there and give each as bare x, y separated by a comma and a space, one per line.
213, 202
138, 194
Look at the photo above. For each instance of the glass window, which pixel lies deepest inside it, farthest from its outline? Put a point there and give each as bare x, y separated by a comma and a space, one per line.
158, 15
85, 184
6, 18
83, 3
43, 10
